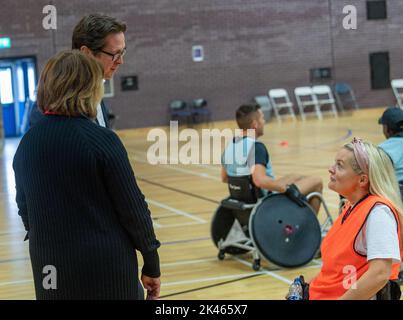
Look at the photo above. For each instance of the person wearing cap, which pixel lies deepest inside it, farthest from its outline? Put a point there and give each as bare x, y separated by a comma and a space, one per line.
392, 121
362, 251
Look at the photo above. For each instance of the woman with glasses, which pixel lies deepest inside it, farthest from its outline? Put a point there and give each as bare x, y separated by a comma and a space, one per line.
363, 249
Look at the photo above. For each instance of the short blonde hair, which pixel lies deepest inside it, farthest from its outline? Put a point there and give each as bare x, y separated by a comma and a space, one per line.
71, 84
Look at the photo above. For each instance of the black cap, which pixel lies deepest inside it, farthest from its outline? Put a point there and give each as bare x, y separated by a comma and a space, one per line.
392, 118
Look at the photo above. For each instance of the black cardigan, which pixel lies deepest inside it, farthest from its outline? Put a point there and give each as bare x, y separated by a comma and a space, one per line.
35, 115
79, 200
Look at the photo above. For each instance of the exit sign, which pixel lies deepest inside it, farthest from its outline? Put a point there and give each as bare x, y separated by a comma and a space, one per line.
5, 42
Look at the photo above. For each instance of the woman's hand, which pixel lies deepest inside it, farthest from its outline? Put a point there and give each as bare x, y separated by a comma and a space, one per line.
152, 285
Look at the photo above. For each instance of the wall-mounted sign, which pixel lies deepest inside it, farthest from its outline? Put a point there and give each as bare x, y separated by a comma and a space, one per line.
129, 83
197, 53
321, 74
108, 88
5, 42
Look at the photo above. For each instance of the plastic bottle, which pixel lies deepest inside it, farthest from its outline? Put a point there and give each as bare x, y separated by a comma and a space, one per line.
295, 292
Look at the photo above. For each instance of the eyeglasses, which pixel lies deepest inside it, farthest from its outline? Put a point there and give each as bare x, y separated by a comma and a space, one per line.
116, 56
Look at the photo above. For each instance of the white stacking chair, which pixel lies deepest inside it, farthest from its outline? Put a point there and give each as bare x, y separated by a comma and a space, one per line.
280, 100
305, 99
324, 96
397, 87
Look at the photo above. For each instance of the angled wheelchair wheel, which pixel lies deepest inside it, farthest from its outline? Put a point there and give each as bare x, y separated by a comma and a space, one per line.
283, 232
221, 224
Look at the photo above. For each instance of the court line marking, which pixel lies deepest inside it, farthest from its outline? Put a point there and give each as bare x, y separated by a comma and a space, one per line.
12, 233
270, 273
168, 166
11, 242
176, 225
167, 243
166, 216
139, 178
156, 224
15, 282
185, 262
167, 284
264, 272
201, 165
199, 280
317, 262
177, 211
215, 285
331, 205
14, 260
231, 276
169, 265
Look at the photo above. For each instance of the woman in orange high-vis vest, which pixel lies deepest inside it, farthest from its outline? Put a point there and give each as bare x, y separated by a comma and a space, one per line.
363, 249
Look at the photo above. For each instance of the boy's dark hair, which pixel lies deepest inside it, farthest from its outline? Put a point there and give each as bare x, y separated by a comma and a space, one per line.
245, 114
92, 30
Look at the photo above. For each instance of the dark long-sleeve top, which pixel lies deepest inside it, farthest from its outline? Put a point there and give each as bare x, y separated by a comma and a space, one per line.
35, 115
79, 200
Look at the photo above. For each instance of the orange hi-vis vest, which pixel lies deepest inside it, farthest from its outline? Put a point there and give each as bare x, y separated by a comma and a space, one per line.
342, 265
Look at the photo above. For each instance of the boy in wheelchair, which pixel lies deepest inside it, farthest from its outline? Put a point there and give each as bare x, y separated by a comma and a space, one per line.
250, 119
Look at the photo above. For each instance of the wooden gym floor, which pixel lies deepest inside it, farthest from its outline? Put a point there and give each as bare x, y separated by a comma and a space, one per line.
182, 200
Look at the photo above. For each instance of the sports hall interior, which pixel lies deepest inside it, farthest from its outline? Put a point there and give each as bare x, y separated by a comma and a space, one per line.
220, 54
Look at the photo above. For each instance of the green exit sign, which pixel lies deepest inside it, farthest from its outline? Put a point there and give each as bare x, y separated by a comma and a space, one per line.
5, 42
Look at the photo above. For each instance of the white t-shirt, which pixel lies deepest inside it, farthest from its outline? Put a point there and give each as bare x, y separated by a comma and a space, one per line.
378, 239
100, 116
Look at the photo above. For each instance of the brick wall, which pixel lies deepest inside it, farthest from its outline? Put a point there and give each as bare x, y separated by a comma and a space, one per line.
250, 47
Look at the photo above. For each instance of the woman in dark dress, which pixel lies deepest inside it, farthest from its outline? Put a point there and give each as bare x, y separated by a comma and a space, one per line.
77, 194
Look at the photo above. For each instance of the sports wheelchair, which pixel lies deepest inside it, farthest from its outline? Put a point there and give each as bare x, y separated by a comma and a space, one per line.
280, 227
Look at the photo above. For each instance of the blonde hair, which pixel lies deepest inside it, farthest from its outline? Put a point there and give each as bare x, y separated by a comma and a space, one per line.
381, 176
71, 84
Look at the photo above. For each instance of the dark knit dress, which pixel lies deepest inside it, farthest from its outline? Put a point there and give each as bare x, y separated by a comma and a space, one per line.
82, 208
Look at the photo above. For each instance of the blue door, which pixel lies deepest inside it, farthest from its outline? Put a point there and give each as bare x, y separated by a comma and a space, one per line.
17, 93
7, 101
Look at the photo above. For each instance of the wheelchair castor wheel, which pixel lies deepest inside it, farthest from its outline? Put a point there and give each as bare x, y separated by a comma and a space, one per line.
256, 265
221, 255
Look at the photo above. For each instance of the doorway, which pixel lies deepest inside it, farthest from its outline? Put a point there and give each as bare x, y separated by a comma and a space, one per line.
18, 78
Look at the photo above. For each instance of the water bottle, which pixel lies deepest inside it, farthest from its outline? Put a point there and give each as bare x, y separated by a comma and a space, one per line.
295, 292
